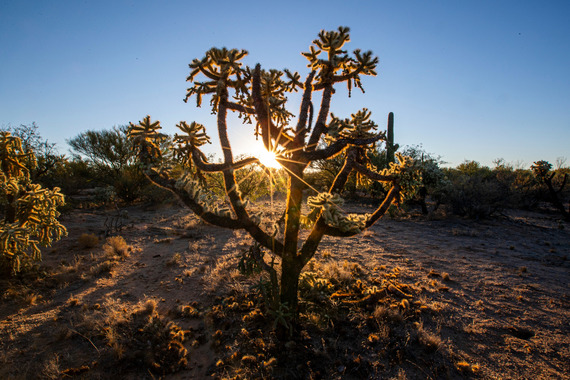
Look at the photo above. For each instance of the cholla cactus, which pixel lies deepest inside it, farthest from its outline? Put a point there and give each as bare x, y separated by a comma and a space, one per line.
260, 97
541, 170
408, 176
29, 212
147, 139
329, 206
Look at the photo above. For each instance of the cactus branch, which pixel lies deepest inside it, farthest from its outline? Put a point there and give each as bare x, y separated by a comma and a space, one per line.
320, 124
240, 108
207, 167
337, 147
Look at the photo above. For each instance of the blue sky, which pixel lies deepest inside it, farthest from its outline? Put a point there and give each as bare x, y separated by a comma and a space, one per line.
475, 80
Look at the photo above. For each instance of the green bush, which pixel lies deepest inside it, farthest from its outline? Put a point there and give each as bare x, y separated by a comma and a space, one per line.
108, 150
474, 191
130, 184
555, 182
520, 188
434, 182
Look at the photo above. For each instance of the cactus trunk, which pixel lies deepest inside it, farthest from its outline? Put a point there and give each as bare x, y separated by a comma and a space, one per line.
390, 148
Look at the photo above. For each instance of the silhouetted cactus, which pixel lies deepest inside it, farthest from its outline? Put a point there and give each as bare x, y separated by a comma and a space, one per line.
541, 170
259, 97
391, 148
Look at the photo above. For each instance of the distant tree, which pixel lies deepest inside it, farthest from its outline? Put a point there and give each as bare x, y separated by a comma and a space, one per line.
48, 159
259, 96
472, 167
560, 162
110, 151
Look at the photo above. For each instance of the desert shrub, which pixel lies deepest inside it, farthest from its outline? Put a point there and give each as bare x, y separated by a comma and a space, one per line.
108, 150
477, 191
103, 195
110, 159
137, 338
434, 182
325, 171
519, 187
88, 240
474, 191
28, 212
75, 175
130, 185
116, 246
525, 190
104, 159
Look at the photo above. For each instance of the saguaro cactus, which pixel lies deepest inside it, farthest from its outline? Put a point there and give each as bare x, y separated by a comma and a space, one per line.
259, 96
391, 148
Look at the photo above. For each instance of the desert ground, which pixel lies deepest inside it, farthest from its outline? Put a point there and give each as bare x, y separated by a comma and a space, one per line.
451, 298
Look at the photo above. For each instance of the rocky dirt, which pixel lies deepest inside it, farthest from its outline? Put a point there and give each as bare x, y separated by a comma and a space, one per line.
499, 288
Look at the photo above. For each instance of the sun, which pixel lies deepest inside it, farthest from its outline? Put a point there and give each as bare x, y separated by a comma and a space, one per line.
266, 157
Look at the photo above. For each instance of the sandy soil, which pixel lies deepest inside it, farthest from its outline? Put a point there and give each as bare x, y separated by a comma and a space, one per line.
501, 286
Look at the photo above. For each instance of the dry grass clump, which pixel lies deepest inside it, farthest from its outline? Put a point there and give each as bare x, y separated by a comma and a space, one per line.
32, 299
332, 271
67, 270
115, 250
430, 341
101, 268
24, 294
51, 368
224, 276
383, 313
73, 301
135, 334
401, 375
87, 241
116, 246
175, 260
